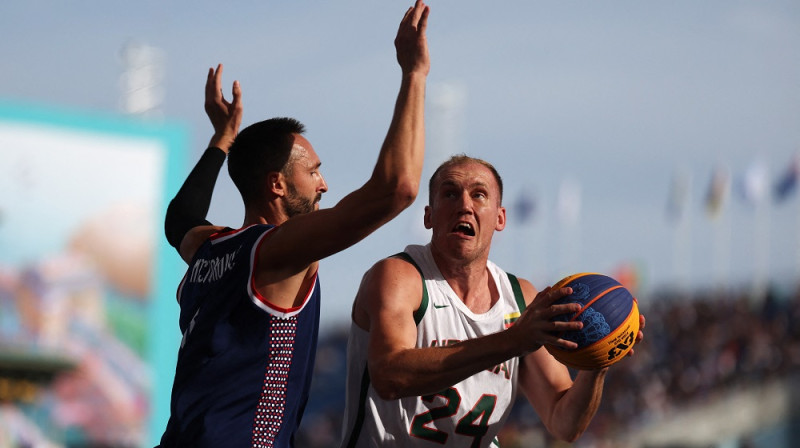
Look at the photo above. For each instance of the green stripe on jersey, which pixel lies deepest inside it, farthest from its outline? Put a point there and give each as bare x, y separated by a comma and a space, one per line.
423, 306
517, 291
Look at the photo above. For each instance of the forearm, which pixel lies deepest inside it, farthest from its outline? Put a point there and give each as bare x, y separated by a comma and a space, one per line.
576, 408
190, 205
399, 166
422, 371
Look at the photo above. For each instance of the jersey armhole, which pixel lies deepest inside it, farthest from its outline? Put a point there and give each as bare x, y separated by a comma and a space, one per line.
517, 291
420, 312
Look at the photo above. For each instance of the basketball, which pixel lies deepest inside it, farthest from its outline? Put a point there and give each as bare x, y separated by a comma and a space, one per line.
610, 316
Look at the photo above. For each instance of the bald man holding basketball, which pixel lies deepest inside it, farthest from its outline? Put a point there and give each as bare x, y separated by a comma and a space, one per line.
442, 339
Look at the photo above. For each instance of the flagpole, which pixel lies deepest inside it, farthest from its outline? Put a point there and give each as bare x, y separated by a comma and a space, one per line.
680, 197
722, 249
681, 254
761, 239
716, 198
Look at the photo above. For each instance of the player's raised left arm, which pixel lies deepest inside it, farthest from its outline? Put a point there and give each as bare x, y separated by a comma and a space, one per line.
185, 223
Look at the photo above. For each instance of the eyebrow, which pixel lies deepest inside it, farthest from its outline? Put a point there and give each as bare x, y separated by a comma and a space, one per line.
450, 183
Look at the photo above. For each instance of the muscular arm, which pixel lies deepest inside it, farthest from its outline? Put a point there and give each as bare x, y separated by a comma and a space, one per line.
394, 182
389, 294
566, 407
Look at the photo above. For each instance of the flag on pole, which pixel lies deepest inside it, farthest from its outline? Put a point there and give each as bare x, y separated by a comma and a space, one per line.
718, 190
754, 183
788, 182
678, 196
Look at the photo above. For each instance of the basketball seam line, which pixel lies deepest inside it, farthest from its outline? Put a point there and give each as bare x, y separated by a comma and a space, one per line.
589, 303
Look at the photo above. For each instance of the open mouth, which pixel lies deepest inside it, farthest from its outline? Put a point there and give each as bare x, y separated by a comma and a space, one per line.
464, 228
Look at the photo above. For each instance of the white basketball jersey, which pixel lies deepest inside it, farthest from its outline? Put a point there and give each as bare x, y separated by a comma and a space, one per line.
469, 413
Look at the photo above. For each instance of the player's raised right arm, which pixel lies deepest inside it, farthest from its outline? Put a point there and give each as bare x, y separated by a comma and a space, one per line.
394, 182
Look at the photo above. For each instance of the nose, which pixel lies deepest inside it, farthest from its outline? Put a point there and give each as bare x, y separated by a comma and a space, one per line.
465, 202
323, 186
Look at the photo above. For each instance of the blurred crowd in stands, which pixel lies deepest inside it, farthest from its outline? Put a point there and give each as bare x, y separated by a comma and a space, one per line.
695, 350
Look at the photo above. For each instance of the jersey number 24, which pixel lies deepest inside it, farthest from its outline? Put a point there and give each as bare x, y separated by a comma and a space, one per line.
474, 423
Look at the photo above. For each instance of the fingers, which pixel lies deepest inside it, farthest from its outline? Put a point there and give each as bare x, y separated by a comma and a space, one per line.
422, 20
214, 86
236, 107
536, 326
548, 296
218, 81
416, 17
218, 75
419, 6
562, 343
640, 334
559, 328
411, 43
406, 17
214, 95
210, 85
237, 95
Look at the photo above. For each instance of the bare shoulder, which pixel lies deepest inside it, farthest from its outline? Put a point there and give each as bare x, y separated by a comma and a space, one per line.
390, 285
528, 290
195, 238
391, 272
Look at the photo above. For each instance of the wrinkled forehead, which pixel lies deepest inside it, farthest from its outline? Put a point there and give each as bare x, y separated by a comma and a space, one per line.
466, 174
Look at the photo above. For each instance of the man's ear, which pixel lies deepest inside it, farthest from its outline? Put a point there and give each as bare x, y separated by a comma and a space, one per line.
427, 218
501, 219
276, 183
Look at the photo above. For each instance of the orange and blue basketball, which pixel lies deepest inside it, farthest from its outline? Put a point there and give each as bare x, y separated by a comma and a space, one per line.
610, 316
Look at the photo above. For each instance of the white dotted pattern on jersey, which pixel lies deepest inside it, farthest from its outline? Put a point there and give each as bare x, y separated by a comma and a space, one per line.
269, 415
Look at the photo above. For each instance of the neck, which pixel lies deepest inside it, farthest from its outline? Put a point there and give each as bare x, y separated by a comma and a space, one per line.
268, 214
469, 279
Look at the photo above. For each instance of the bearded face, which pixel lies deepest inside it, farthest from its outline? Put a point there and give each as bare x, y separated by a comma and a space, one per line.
304, 181
297, 204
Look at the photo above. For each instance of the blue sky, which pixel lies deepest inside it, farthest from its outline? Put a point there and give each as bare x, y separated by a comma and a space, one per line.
614, 97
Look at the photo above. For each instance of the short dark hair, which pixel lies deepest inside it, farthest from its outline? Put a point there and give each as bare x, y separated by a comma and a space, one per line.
460, 159
258, 150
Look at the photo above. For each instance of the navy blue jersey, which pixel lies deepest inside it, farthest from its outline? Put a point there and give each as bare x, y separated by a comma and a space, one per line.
244, 368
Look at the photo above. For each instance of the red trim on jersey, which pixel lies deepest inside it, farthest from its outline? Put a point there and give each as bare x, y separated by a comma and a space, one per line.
221, 234
213, 237
263, 300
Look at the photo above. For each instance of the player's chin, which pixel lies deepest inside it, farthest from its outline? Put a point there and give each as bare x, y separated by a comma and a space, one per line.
461, 236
